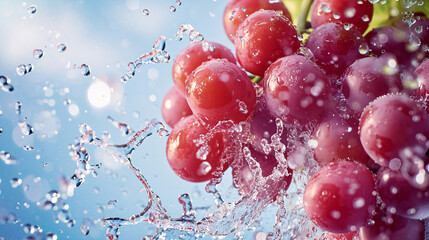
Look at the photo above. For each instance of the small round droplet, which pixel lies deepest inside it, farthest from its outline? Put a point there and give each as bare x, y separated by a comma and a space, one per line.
37, 53
61, 47
172, 8
146, 12
15, 182
363, 48
32, 9
85, 70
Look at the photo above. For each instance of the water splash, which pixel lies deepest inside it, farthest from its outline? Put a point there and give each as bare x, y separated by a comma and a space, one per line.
123, 127
7, 158
194, 35
85, 70
146, 12
157, 55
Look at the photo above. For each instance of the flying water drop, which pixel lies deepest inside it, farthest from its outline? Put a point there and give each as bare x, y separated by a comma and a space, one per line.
38, 53
61, 47
85, 70
32, 9
22, 69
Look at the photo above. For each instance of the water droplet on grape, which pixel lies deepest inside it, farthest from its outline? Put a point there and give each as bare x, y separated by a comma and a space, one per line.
325, 8
365, 18
363, 48
335, 214
336, 15
350, 12
359, 203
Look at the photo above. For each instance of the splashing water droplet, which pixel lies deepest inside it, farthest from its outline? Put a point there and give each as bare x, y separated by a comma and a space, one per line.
194, 35
15, 182
22, 69
5, 84
84, 229
7, 158
415, 40
51, 236
146, 12
18, 108
61, 47
32, 9
178, 3
25, 128
112, 233
85, 70
172, 8
28, 148
363, 48
37, 53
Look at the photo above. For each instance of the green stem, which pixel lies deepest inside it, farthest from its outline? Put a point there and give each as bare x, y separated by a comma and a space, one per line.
303, 13
256, 79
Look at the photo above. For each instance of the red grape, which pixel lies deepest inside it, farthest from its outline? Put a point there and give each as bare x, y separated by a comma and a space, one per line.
339, 198
356, 12
238, 10
174, 107
334, 47
391, 124
296, 89
263, 126
393, 40
264, 37
392, 227
338, 139
219, 90
401, 196
193, 56
369, 78
191, 159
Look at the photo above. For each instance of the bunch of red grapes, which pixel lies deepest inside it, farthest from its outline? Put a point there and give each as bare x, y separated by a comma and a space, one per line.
361, 99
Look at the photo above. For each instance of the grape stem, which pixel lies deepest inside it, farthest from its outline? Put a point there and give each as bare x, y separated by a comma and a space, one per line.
303, 13
255, 79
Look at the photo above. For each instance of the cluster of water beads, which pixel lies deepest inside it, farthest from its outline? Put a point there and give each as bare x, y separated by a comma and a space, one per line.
194, 35
5, 84
157, 55
23, 69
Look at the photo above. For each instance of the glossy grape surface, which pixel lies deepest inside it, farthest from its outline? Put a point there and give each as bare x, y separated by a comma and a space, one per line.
296, 89
339, 197
238, 10
219, 90
190, 160
193, 56
264, 37
174, 107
